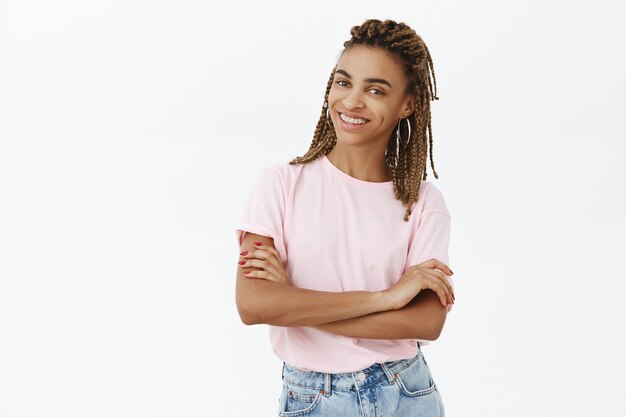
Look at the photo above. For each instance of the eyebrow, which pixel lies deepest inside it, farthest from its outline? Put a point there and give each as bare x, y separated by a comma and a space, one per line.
369, 80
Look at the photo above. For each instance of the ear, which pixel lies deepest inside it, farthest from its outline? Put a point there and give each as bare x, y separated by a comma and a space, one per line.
408, 107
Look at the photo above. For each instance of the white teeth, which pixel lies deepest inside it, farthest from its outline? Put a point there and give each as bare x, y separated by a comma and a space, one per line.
351, 120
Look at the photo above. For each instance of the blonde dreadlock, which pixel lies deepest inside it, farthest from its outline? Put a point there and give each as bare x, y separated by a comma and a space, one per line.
408, 166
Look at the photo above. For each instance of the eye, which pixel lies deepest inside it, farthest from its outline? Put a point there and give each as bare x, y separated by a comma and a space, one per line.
380, 93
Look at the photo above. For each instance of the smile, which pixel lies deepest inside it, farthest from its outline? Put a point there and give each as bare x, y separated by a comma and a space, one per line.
351, 120
351, 124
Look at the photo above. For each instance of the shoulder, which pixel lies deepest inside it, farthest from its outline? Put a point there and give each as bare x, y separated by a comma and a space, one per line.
432, 198
282, 171
279, 176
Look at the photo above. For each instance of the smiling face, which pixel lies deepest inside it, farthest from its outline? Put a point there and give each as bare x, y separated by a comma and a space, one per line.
368, 86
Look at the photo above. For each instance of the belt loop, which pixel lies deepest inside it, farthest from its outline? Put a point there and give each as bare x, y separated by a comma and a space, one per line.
388, 372
327, 387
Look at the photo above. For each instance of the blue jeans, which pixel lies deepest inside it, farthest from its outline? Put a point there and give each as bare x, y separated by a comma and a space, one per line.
397, 388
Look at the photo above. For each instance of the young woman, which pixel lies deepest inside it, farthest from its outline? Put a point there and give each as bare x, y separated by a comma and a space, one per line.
344, 250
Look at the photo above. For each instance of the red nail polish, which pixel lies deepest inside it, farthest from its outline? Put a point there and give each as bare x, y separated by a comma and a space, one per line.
257, 243
244, 253
242, 262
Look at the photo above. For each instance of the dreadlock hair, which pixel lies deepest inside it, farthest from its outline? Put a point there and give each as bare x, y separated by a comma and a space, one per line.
406, 160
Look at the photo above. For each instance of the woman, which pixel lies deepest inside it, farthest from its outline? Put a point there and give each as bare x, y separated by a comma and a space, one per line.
338, 245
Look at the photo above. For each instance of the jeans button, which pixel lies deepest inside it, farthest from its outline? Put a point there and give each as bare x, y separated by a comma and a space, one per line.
361, 376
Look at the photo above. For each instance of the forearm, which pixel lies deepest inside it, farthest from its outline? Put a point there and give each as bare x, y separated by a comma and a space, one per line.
267, 302
422, 318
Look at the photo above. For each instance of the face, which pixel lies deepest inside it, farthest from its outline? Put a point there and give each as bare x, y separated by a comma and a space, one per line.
368, 86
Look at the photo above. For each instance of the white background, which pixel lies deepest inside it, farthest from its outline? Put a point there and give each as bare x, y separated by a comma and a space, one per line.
131, 132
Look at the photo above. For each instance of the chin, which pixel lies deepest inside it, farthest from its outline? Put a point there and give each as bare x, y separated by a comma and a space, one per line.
351, 139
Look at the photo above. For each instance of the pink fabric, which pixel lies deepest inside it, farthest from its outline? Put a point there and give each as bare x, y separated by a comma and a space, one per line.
335, 232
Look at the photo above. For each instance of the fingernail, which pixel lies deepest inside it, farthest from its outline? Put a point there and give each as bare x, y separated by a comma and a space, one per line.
244, 253
242, 262
257, 243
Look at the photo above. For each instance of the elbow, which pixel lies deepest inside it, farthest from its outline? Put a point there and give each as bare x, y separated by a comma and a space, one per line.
247, 305
247, 319
438, 323
432, 314
254, 306
246, 314
435, 325
253, 313
432, 333
435, 334
250, 317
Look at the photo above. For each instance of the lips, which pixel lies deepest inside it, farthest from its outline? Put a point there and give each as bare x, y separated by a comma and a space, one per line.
349, 127
354, 116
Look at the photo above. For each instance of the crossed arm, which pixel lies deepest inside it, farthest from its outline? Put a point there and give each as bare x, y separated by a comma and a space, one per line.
354, 313
422, 318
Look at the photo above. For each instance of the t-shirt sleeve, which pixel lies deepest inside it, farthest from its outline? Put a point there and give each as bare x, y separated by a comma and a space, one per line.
432, 235
264, 211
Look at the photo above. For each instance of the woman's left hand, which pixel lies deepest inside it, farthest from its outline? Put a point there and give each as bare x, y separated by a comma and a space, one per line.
264, 262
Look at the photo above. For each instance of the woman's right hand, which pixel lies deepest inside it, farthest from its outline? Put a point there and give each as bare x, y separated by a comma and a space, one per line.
418, 277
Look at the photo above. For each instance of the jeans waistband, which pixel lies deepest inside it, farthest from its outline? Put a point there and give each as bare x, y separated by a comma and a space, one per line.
345, 381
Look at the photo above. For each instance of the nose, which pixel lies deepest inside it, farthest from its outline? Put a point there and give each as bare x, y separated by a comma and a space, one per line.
353, 99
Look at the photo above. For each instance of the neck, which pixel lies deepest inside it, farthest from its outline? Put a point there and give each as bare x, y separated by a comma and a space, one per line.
365, 165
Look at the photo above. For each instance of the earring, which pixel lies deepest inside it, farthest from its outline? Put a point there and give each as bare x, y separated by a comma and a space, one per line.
408, 138
398, 140
327, 115
398, 136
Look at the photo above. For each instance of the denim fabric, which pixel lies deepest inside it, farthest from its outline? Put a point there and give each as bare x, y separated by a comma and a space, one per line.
396, 388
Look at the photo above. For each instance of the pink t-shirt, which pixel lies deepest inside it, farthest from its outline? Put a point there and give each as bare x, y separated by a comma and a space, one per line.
337, 233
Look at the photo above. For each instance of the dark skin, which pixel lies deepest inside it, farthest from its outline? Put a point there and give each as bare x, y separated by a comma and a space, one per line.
264, 262
396, 324
369, 85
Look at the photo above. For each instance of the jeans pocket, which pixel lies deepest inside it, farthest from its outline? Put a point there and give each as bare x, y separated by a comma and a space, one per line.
416, 379
297, 400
